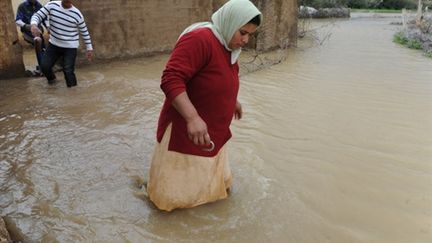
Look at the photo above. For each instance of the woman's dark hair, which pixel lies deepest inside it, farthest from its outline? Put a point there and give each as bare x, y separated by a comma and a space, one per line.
256, 20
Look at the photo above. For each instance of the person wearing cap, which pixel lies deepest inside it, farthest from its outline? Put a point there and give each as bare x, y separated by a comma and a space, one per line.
200, 82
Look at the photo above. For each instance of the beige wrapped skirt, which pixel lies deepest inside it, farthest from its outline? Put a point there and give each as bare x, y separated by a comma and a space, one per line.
179, 180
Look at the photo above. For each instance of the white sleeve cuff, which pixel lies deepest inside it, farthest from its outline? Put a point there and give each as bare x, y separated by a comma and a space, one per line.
20, 23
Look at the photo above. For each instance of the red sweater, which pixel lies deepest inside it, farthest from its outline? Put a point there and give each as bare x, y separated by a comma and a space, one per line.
201, 66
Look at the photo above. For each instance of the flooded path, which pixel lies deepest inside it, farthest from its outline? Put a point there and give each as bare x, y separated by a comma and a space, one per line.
335, 146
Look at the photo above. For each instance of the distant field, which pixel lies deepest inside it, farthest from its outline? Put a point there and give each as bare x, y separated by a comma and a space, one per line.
376, 11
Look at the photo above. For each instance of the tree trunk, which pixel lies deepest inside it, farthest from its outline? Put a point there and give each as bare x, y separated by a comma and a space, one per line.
11, 58
4, 234
419, 16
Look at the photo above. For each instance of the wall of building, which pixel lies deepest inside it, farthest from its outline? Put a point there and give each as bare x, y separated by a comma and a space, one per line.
126, 28
279, 29
144, 26
130, 28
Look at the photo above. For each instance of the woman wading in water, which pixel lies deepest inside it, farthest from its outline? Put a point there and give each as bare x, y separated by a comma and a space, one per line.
201, 83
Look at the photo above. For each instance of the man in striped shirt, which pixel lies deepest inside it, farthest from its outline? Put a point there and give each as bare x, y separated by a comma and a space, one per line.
65, 24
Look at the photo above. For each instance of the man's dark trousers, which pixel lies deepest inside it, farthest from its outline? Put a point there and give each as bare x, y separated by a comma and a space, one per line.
51, 55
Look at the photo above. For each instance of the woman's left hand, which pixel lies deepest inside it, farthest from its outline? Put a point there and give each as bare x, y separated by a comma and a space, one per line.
238, 113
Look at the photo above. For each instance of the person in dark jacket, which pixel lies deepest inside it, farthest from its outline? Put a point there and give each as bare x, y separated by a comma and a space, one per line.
24, 13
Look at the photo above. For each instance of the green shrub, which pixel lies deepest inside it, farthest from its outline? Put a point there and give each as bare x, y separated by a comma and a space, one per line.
400, 38
410, 43
397, 4
357, 4
363, 4
414, 44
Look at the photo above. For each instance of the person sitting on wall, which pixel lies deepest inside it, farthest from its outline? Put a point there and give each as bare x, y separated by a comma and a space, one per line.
24, 13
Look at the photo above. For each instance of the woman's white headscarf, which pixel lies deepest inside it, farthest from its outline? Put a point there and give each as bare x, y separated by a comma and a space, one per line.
227, 20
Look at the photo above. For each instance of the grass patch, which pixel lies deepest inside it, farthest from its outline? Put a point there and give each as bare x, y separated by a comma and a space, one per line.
400, 38
410, 43
414, 44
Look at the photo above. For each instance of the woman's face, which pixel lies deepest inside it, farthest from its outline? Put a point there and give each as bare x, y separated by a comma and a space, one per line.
241, 36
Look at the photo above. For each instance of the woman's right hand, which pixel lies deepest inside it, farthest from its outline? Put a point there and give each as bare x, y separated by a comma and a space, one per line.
197, 131
196, 126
